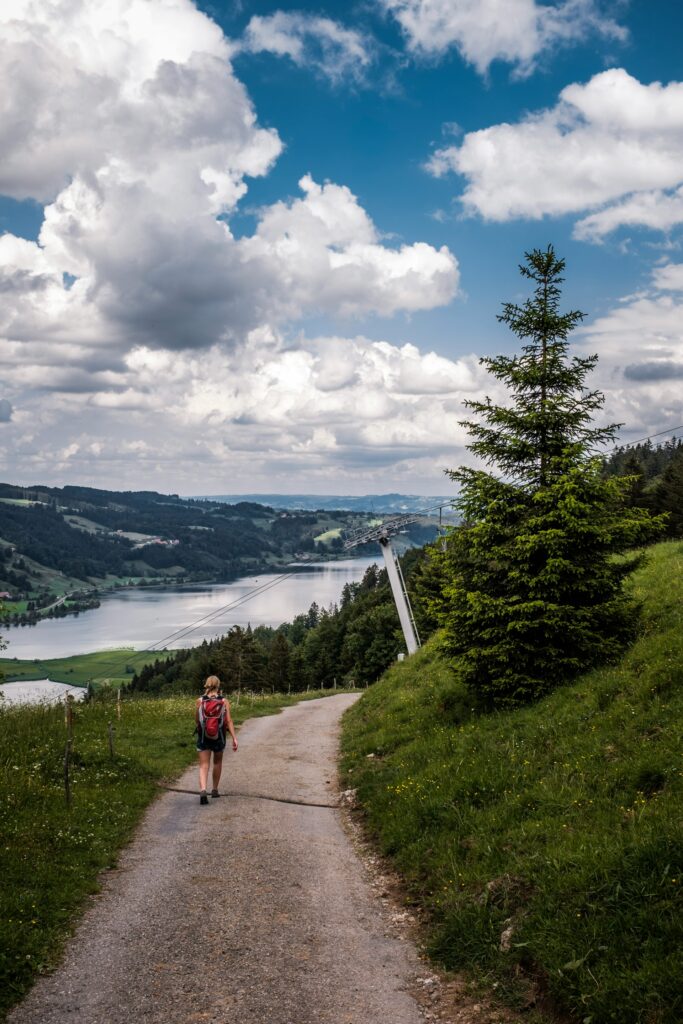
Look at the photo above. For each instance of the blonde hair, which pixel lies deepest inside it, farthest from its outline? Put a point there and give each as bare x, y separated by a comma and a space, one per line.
212, 685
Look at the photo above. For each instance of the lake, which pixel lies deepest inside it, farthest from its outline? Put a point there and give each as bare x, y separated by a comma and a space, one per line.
151, 618
39, 691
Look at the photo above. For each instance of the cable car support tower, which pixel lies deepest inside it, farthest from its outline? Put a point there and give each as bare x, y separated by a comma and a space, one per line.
383, 534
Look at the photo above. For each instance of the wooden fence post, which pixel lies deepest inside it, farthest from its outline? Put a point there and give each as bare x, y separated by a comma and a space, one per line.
67, 781
118, 703
111, 740
69, 717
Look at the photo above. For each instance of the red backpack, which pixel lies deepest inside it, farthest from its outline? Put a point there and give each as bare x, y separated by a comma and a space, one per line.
211, 717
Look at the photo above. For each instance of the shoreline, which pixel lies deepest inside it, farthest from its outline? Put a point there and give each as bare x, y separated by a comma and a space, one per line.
104, 590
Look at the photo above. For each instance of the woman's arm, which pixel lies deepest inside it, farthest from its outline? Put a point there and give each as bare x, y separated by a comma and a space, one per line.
231, 727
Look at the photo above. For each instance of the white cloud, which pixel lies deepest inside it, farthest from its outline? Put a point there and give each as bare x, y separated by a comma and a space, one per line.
125, 84
139, 135
515, 31
311, 41
334, 409
140, 138
138, 331
612, 145
327, 252
640, 348
149, 276
658, 210
669, 277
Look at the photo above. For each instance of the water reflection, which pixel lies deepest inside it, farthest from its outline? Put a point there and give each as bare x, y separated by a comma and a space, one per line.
150, 617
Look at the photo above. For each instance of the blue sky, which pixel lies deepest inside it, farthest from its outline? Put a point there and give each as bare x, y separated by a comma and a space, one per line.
260, 246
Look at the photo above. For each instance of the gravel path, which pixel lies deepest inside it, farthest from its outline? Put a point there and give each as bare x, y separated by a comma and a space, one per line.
247, 910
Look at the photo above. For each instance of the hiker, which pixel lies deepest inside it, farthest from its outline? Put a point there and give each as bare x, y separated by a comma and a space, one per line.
212, 715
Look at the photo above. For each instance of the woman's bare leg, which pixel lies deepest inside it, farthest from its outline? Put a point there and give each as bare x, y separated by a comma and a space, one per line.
217, 767
204, 758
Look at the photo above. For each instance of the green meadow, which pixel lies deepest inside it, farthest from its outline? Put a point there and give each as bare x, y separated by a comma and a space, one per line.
544, 844
115, 667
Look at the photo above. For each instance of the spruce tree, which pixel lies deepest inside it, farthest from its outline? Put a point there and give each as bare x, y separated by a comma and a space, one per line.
533, 593
668, 495
278, 664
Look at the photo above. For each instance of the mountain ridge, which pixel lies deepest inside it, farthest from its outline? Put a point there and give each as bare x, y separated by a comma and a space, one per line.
391, 502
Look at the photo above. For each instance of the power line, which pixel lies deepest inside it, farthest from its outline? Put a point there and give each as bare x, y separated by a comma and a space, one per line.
649, 437
184, 631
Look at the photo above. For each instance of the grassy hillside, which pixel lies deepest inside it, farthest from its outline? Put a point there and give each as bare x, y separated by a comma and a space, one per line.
546, 844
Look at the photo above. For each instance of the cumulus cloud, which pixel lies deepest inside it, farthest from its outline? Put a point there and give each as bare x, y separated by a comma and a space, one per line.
515, 31
669, 277
662, 369
613, 145
139, 136
311, 41
141, 179
331, 409
640, 348
328, 252
658, 210
138, 330
177, 280
124, 85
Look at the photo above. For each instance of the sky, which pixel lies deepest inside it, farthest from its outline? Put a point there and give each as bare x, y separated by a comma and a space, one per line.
261, 247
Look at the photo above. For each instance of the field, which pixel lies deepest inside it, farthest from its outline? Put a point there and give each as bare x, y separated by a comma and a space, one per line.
328, 535
77, 670
51, 855
85, 524
544, 844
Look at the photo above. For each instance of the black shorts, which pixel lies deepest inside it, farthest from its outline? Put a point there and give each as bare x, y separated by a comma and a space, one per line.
217, 745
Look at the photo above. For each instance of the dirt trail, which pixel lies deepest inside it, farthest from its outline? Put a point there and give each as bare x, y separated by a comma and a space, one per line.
246, 911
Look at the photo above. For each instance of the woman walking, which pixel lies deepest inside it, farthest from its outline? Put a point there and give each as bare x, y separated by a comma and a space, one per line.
212, 715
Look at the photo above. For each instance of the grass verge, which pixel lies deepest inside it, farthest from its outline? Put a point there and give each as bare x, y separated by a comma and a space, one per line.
51, 855
545, 844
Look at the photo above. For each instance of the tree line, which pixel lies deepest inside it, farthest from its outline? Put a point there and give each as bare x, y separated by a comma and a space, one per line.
655, 474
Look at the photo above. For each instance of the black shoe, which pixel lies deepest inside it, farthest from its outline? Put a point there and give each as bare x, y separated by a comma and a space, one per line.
203, 798
215, 794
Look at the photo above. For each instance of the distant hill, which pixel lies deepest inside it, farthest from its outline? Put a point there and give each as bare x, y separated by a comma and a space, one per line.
382, 503
58, 540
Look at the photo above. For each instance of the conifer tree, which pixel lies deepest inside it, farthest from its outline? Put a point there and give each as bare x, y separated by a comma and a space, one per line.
533, 592
278, 664
668, 495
